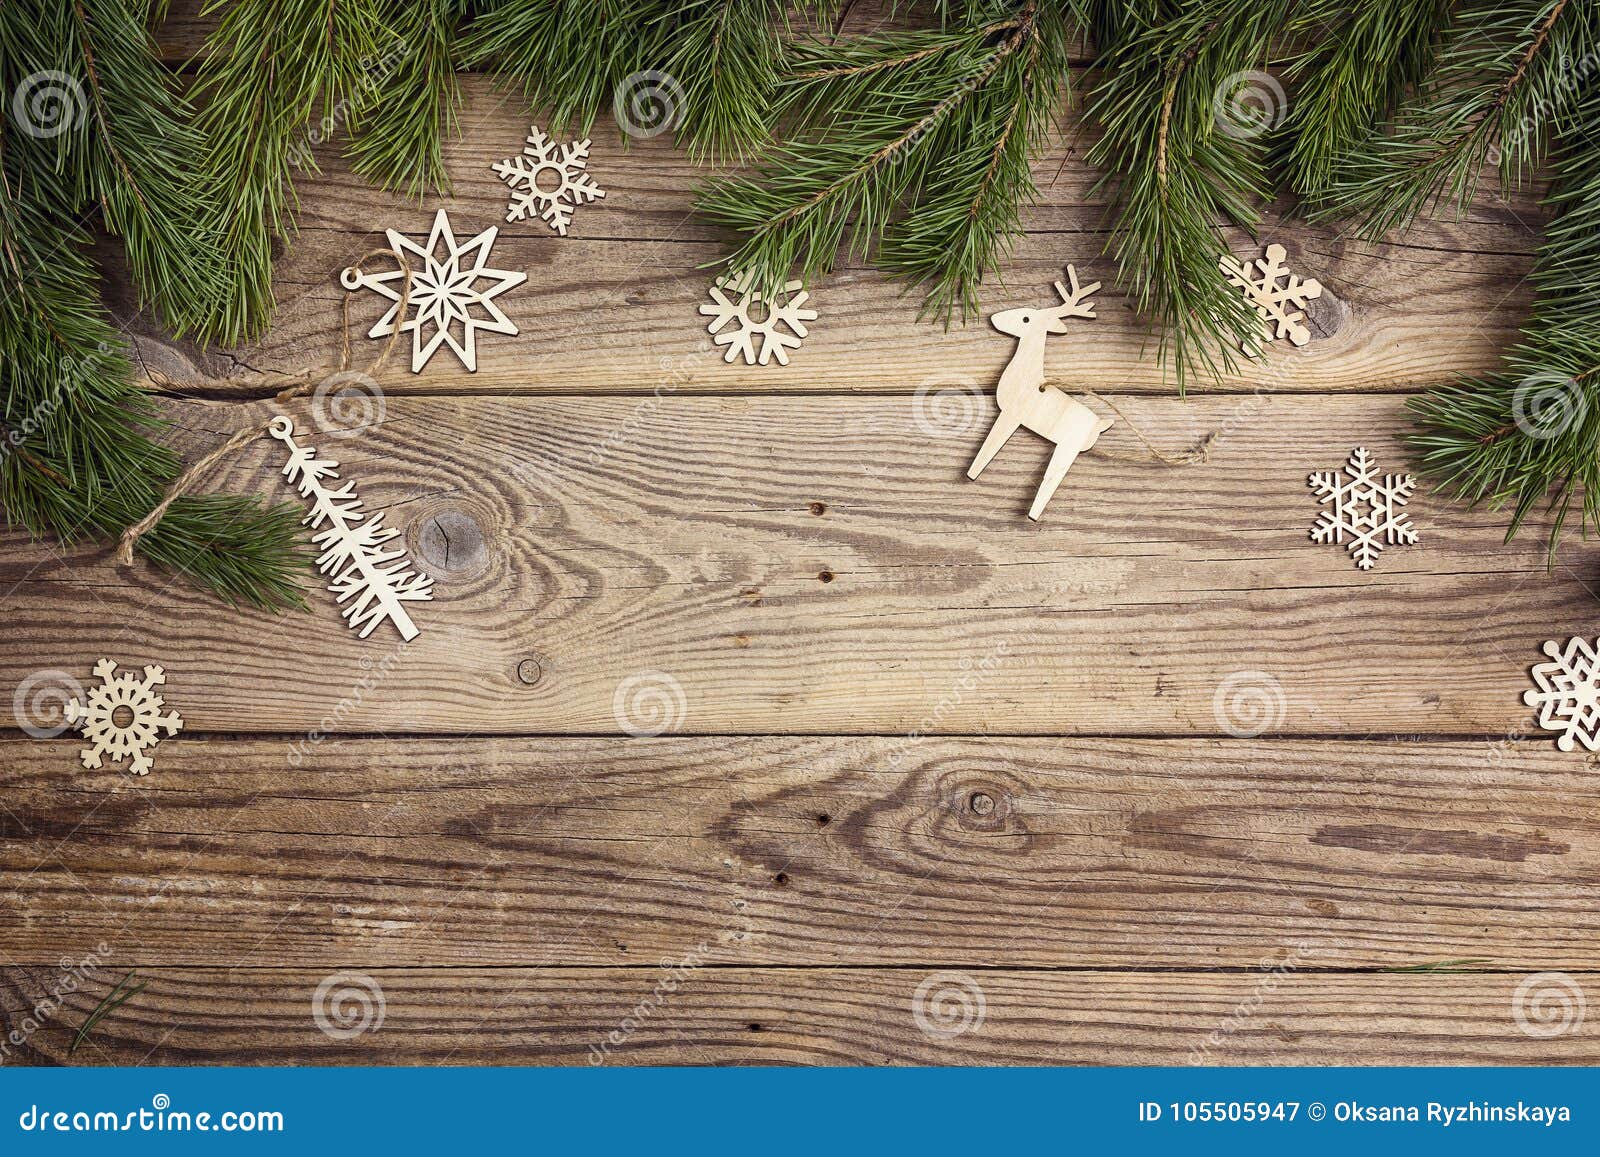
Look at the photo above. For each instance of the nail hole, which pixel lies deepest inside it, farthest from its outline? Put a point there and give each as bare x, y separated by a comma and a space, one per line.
781, 879
824, 820
755, 1026
819, 508
826, 576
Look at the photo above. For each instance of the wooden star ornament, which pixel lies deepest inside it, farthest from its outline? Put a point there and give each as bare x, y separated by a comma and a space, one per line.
445, 292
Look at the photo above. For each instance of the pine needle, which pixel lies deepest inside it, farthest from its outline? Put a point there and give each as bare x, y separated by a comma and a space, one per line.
113, 1000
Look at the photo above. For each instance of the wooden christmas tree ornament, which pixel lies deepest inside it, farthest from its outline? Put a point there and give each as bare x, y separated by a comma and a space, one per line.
352, 544
1025, 400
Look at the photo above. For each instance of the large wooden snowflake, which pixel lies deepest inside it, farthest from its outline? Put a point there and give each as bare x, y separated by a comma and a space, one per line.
1567, 693
445, 292
1364, 508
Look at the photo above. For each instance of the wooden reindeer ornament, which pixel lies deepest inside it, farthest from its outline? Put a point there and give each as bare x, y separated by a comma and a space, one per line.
1026, 401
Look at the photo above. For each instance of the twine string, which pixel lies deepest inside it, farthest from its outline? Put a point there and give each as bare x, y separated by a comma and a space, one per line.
298, 387
1193, 456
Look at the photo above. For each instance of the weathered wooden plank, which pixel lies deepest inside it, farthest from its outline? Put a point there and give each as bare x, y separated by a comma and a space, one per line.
613, 305
830, 851
823, 565
795, 1016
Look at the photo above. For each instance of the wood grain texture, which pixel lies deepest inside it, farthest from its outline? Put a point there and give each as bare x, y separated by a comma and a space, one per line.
788, 1017
971, 852
823, 565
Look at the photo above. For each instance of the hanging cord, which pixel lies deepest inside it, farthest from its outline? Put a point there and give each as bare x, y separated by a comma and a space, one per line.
1191, 457
298, 388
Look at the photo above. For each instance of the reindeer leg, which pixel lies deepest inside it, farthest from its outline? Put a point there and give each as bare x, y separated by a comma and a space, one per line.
1060, 459
1005, 425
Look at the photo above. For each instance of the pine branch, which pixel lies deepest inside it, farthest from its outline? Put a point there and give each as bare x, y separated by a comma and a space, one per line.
707, 68
1356, 63
77, 459
408, 98
140, 153
1182, 160
920, 138
271, 69
1532, 431
1504, 71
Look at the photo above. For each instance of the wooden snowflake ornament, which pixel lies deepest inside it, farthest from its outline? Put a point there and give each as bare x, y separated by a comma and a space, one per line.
1025, 400
1567, 693
444, 292
762, 331
1363, 507
122, 717
548, 181
352, 541
1279, 297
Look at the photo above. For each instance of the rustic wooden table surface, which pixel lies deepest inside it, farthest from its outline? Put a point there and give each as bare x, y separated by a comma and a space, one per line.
924, 745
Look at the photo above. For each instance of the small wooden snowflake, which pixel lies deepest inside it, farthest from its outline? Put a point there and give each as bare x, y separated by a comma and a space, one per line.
1279, 297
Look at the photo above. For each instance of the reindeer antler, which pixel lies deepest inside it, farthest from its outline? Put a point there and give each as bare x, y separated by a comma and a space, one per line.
1072, 303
